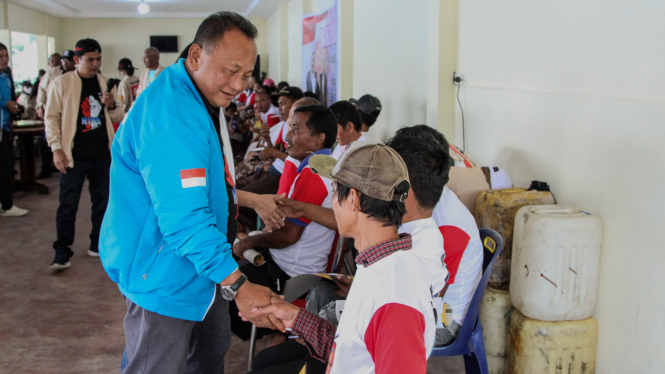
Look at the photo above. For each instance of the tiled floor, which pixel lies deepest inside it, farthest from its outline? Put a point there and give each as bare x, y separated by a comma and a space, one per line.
70, 321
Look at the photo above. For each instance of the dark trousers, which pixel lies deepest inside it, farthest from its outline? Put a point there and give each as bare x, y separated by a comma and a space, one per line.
47, 156
6, 172
268, 275
71, 185
262, 182
286, 358
165, 345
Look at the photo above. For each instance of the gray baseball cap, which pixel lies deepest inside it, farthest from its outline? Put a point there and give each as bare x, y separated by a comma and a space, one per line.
373, 169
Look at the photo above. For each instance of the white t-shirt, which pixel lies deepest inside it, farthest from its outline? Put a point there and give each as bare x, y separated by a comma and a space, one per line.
428, 245
310, 254
339, 149
273, 110
464, 251
388, 298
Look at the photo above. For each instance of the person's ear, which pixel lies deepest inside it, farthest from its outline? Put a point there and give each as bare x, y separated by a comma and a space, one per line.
194, 56
354, 200
77, 60
346, 127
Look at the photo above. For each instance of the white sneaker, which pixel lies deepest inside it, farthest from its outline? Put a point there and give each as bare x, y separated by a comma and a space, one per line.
14, 211
93, 253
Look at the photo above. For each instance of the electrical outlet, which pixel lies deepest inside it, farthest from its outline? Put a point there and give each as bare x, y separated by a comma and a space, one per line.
457, 78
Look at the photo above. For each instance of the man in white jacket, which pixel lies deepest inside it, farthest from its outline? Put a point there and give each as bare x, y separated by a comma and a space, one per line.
153, 68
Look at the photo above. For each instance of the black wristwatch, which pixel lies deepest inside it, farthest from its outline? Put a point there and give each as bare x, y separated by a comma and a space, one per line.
229, 292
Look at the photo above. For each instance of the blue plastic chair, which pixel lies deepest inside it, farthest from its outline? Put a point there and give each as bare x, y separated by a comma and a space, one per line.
469, 341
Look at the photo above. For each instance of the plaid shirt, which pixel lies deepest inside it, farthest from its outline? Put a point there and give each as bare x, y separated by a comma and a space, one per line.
319, 334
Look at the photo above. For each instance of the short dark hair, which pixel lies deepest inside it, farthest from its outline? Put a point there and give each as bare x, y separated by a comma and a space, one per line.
346, 112
389, 213
55, 54
213, 28
426, 155
3, 47
307, 94
368, 119
231, 105
321, 120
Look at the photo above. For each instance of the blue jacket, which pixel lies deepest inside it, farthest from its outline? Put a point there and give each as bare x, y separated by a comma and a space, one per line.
163, 239
6, 90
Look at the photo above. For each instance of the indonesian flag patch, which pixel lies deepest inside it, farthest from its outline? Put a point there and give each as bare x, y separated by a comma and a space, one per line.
193, 178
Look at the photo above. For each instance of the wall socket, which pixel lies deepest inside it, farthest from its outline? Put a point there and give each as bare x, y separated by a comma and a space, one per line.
457, 78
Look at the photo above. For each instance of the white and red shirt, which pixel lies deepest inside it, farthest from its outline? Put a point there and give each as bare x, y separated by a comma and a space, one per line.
289, 174
428, 244
310, 254
272, 112
279, 137
387, 325
464, 251
339, 149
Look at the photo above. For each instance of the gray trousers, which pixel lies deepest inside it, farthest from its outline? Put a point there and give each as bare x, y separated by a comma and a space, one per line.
165, 345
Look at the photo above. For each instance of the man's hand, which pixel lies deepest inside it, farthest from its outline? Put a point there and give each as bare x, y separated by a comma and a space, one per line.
268, 153
265, 130
12, 107
60, 161
266, 207
108, 100
344, 285
40, 112
285, 312
251, 296
241, 246
292, 208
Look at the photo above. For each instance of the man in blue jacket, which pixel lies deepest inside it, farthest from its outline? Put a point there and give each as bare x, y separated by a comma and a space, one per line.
173, 208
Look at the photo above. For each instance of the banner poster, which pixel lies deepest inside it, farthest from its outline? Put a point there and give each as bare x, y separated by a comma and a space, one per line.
319, 55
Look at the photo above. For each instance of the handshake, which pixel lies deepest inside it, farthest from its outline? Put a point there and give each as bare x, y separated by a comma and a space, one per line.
262, 307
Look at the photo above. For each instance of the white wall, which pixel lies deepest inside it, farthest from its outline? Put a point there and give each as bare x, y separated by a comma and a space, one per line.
273, 46
129, 37
390, 61
573, 93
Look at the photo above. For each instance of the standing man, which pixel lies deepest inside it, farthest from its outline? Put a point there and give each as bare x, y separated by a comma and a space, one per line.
153, 68
8, 107
67, 64
173, 207
79, 128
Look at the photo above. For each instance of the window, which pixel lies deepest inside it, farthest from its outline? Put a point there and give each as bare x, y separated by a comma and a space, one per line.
24, 58
50, 45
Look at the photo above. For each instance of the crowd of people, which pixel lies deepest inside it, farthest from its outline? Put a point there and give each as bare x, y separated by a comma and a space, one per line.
179, 196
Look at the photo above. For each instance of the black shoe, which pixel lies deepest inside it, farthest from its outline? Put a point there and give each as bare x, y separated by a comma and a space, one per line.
61, 260
44, 175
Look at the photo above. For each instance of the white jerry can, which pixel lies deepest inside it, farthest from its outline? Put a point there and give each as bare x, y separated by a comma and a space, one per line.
556, 262
494, 318
552, 347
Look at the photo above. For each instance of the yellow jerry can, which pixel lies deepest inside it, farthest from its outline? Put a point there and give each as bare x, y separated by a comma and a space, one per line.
496, 209
552, 347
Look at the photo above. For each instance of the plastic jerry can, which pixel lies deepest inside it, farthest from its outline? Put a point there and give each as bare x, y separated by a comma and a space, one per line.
556, 262
496, 209
552, 347
495, 319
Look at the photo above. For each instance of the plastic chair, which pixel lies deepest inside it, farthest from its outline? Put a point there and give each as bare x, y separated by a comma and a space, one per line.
334, 266
469, 341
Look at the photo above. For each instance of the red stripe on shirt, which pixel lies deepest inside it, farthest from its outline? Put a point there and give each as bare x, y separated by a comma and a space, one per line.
455, 242
309, 188
395, 338
289, 175
193, 173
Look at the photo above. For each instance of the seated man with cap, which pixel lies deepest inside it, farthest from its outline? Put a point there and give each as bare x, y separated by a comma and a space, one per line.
300, 246
369, 107
387, 325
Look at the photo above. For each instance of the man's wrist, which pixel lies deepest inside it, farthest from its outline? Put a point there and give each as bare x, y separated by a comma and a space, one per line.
231, 278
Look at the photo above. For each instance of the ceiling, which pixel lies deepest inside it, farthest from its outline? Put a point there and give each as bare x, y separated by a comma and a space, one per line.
158, 8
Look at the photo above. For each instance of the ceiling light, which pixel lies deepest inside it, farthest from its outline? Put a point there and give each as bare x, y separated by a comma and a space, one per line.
144, 8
